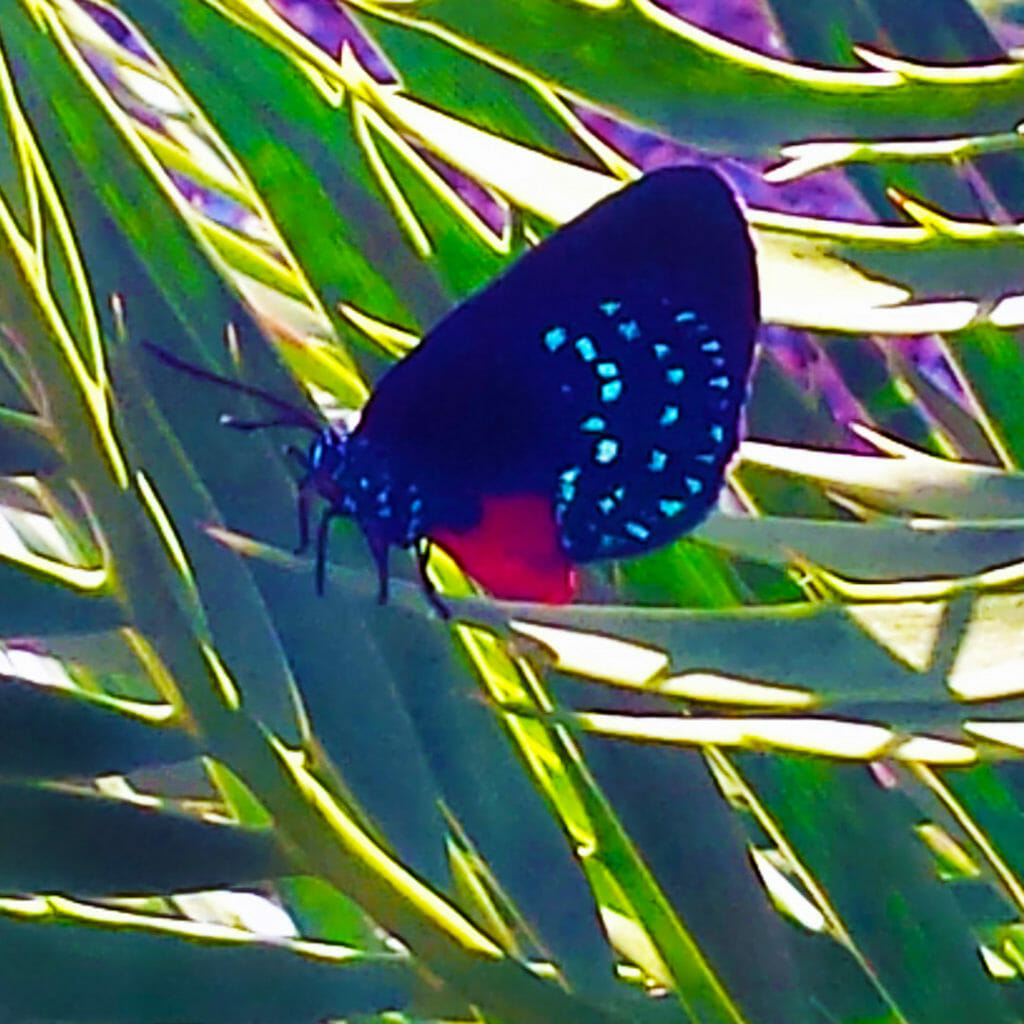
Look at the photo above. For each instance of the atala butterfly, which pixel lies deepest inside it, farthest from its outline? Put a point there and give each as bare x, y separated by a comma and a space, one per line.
582, 406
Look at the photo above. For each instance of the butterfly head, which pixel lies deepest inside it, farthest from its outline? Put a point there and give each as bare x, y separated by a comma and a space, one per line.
358, 481
354, 479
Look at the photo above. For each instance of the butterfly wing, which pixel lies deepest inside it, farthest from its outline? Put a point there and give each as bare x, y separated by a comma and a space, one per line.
605, 371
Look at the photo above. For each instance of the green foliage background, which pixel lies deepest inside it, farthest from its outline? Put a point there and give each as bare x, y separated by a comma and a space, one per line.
771, 775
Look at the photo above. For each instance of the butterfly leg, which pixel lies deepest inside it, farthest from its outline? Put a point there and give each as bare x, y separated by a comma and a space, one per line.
321, 547
380, 550
422, 561
302, 508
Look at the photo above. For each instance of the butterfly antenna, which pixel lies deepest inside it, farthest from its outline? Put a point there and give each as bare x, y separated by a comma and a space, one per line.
294, 416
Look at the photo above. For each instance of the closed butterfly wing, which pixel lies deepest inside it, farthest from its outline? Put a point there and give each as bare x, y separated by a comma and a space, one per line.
600, 380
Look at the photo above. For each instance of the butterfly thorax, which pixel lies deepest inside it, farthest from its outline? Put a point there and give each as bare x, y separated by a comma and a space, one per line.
360, 482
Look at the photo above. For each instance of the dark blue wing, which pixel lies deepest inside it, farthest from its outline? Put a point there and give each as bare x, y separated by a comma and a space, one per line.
606, 369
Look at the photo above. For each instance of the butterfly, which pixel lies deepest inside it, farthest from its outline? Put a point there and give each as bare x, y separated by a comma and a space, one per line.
582, 406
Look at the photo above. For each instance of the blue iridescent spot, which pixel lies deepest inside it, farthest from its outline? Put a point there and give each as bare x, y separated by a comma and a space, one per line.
719, 382
638, 530
675, 375
629, 329
716, 433
671, 506
611, 390
606, 450
685, 316
570, 475
661, 349
669, 415
693, 485
606, 504
608, 369
610, 308
592, 423
714, 345
567, 490
555, 338
586, 349
619, 493
705, 457
364, 483
659, 459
